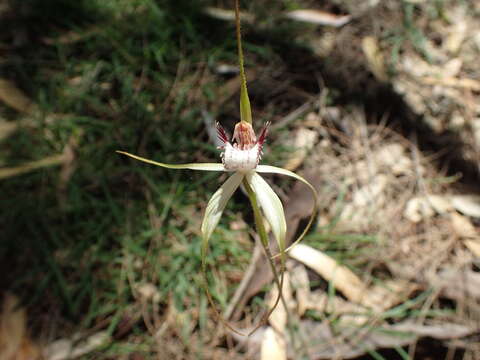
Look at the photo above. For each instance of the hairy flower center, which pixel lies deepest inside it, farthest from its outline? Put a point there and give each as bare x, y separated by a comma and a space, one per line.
244, 136
235, 159
245, 151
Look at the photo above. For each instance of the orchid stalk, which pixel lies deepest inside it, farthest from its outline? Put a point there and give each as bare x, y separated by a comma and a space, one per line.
240, 156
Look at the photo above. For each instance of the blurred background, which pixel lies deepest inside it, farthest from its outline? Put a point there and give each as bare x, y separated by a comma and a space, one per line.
375, 102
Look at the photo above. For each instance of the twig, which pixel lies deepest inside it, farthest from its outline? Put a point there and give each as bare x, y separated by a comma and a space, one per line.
294, 115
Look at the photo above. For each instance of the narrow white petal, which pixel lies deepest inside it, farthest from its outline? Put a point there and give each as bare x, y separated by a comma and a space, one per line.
272, 207
277, 170
191, 166
217, 204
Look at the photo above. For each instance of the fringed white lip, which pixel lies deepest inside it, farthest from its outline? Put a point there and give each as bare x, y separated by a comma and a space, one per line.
245, 152
235, 159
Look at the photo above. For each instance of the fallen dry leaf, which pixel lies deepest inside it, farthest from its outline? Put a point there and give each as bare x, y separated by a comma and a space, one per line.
320, 301
304, 140
341, 277
318, 17
322, 343
374, 56
226, 69
273, 346
7, 128
226, 91
442, 331
463, 226
148, 292
473, 246
418, 68
325, 345
75, 346
292, 116
228, 15
15, 98
467, 204
464, 83
366, 202
323, 44
278, 317
378, 298
369, 193
452, 67
31, 166
457, 32
69, 165
71, 37
457, 284
12, 330
15, 343
313, 120
393, 157
301, 286
424, 207
391, 293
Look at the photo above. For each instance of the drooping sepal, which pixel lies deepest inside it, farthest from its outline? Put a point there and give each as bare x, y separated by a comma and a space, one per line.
277, 170
271, 206
217, 204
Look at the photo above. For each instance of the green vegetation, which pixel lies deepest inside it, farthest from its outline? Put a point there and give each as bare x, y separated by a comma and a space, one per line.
108, 76
84, 243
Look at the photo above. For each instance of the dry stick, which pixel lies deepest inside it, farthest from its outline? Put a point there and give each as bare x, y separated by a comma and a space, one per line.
294, 115
53, 160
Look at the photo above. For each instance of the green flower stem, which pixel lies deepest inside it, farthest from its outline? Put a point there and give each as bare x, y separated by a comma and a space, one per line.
265, 243
245, 109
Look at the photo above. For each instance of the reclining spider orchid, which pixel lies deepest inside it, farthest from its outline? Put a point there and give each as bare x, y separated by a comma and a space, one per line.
240, 156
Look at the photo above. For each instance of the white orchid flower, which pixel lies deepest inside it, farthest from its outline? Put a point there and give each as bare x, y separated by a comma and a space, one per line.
241, 156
